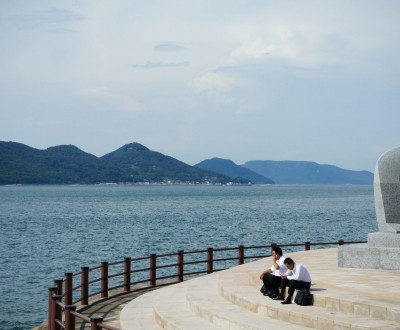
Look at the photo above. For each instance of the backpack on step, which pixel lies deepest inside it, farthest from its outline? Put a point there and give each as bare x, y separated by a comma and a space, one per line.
303, 298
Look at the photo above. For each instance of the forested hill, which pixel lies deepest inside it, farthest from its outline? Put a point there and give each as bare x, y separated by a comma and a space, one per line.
303, 172
67, 164
229, 168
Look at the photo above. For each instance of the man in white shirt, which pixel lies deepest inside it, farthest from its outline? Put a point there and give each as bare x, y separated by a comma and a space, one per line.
297, 278
272, 276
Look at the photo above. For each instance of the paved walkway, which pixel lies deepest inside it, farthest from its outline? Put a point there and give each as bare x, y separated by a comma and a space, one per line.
344, 298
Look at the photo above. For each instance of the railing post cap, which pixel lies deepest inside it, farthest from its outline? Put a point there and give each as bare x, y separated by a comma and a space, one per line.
104, 262
68, 274
96, 319
70, 307
57, 297
58, 280
53, 288
85, 267
128, 258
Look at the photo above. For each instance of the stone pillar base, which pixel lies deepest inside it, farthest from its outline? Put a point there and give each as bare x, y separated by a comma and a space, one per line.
381, 252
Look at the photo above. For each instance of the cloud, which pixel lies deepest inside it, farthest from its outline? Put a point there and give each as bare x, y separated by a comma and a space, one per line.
36, 19
250, 51
169, 47
156, 65
114, 101
214, 84
292, 46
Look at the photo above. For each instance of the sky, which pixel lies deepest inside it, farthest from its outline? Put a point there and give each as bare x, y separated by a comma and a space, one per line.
235, 79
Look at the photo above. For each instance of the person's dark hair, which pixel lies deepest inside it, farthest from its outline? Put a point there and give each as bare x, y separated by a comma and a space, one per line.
289, 261
277, 250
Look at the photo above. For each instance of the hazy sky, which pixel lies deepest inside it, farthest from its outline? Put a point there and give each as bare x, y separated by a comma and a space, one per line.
236, 79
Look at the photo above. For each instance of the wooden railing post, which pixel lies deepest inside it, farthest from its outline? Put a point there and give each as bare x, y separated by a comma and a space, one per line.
180, 266
341, 242
85, 285
94, 323
127, 274
59, 284
50, 312
104, 279
210, 252
57, 312
69, 317
307, 246
68, 288
153, 269
241, 255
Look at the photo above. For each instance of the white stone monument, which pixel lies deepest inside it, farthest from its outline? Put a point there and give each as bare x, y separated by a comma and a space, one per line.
383, 248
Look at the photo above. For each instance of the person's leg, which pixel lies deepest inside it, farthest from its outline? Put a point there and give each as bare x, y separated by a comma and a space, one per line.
303, 285
267, 285
275, 283
284, 283
292, 287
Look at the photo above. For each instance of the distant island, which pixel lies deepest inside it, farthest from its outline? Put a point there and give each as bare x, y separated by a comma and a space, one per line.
67, 164
304, 172
134, 163
229, 168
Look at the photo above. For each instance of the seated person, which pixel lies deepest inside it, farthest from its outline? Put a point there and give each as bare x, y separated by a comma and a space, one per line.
297, 278
272, 276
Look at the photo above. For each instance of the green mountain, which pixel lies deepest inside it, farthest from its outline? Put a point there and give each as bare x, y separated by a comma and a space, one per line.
67, 164
143, 164
303, 172
229, 168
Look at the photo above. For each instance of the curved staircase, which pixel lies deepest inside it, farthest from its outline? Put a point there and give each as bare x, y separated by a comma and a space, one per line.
344, 298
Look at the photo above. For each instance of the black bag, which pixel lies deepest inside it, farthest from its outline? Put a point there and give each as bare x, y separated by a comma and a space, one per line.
303, 298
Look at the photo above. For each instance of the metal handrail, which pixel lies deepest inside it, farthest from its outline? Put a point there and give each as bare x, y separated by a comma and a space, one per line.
62, 302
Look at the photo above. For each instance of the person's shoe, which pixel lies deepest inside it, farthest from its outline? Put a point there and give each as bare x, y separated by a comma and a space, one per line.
287, 301
279, 297
267, 293
274, 295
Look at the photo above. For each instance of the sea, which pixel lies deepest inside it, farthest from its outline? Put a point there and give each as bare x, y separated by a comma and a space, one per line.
47, 230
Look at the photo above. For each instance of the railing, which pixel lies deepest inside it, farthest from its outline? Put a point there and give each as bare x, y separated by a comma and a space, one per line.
62, 309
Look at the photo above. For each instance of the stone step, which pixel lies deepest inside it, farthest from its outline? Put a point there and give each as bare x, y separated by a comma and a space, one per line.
339, 299
138, 314
364, 292
226, 315
249, 297
165, 308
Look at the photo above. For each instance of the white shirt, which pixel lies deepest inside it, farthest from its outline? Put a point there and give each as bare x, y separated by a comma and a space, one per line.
299, 273
282, 267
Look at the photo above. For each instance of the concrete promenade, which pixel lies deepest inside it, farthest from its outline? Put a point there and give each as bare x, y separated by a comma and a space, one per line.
344, 298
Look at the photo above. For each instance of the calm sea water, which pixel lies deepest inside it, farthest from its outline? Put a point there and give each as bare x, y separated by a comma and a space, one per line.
49, 230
